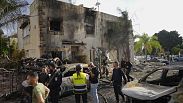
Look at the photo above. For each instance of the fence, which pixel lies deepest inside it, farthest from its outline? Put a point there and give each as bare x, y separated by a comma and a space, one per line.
10, 81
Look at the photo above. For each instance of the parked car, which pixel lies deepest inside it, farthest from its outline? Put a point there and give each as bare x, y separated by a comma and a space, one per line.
156, 87
178, 59
67, 87
166, 62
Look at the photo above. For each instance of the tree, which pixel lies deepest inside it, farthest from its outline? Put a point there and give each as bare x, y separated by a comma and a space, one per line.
156, 46
175, 50
169, 40
147, 44
3, 45
10, 10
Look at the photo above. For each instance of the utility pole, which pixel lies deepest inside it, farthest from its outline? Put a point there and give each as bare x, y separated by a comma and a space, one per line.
98, 5
97, 31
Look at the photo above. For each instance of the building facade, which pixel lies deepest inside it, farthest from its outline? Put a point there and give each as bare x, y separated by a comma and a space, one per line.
67, 31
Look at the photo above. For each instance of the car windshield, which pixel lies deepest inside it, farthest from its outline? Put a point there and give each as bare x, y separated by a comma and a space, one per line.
165, 77
70, 72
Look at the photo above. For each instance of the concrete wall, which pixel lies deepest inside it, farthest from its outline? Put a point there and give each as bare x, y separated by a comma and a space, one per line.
20, 37
30, 43
34, 31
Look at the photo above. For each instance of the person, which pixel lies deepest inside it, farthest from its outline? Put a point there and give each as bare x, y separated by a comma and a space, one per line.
44, 76
79, 80
105, 67
54, 83
128, 66
123, 63
94, 73
40, 91
26, 91
116, 79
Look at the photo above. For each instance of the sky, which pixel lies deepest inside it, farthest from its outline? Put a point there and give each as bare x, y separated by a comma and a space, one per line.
148, 16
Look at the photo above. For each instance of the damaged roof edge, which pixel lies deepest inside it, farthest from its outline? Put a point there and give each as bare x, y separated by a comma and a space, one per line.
79, 5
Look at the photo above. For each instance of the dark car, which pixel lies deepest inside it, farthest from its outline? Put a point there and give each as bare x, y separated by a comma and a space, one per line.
157, 86
166, 62
178, 59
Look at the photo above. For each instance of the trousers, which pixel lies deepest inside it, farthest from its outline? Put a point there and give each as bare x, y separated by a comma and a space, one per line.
78, 96
54, 96
94, 92
117, 91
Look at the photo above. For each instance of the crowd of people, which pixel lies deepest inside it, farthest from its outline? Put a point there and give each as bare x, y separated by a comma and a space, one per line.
45, 87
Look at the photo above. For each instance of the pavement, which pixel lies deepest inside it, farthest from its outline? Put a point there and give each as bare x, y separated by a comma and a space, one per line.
106, 93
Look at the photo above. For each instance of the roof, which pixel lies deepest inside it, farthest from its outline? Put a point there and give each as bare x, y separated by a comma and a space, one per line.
74, 65
172, 67
71, 66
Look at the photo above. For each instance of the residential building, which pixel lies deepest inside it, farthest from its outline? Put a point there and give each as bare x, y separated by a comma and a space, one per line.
68, 31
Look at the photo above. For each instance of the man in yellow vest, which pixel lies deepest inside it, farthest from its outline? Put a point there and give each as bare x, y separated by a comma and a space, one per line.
79, 80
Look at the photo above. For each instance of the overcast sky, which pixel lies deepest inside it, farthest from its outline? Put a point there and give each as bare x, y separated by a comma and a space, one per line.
148, 16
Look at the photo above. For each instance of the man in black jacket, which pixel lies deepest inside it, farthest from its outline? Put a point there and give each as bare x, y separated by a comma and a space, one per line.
128, 66
117, 81
54, 83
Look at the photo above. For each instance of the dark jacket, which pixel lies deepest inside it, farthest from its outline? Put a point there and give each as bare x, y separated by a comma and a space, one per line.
94, 79
43, 78
117, 76
56, 81
128, 65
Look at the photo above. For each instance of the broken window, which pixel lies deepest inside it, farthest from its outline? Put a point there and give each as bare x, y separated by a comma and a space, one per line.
55, 25
26, 31
155, 77
90, 17
89, 29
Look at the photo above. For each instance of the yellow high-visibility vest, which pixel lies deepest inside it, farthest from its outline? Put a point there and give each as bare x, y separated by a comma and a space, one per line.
79, 81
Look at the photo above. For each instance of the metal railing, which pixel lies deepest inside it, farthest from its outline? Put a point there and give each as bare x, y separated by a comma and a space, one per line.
10, 81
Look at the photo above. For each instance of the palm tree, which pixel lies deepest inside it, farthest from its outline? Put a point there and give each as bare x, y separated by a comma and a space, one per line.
146, 44
10, 10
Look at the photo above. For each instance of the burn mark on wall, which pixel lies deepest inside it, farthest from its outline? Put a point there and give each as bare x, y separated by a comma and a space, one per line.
90, 17
56, 25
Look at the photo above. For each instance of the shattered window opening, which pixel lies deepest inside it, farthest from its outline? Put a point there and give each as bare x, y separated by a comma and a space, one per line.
90, 17
55, 25
89, 29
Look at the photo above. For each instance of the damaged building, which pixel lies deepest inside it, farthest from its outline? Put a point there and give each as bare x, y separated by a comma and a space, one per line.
68, 31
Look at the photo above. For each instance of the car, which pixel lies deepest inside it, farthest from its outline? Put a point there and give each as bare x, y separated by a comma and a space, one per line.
67, 86
178, 59
166, 62
157, 86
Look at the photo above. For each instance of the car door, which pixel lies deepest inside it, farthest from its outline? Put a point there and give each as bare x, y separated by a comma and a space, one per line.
173, 77
67, 86
153, 77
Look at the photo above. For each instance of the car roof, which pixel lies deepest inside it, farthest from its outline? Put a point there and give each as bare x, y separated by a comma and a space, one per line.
73, 65
172, 67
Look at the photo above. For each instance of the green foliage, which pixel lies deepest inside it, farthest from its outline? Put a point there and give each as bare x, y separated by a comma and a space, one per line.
10, 49
146, 45
175, 50
17, 55
169, 40
3, 46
